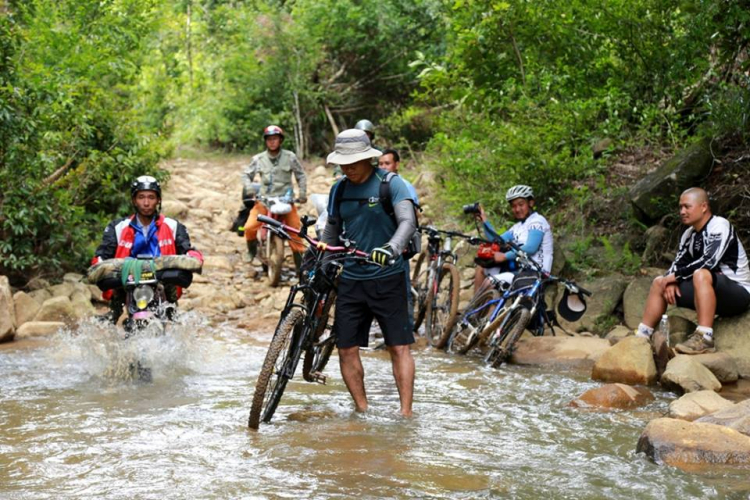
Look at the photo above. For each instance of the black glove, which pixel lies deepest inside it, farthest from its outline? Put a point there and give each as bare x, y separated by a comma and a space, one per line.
383, 256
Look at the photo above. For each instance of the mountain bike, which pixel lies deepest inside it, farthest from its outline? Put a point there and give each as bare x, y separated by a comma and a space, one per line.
303, 327
500, 313
436, 284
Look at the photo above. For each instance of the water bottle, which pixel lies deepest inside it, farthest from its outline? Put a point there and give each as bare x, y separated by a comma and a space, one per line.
664, 328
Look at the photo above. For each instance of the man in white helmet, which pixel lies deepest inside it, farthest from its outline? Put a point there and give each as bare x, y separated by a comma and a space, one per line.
532, 233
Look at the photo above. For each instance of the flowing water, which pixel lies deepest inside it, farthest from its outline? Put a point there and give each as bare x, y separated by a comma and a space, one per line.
74, 424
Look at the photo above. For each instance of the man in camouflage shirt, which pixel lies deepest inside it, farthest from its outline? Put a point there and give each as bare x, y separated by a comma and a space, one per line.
275, 166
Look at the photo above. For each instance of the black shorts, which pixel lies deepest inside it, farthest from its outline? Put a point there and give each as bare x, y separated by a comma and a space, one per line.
359, 301
731, 297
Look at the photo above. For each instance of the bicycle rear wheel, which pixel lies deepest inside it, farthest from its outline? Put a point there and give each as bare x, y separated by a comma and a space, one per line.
510, 331
419, 284
465, 334
442, 309
279, 359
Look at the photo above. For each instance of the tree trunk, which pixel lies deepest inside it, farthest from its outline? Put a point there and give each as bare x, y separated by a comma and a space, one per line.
334, 127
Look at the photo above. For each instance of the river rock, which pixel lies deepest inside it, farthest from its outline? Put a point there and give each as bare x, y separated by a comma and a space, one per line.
175, 209
607, 293
218, 262
686, 374
656, 194
96, 294
630, 361
559, 350
40, 295
634, 300
697, 404
7, 311
26, 307
37, 284
686, 444
618, 333
82, 307
56, 309
618, 396
732, 335
200, 213
64, 289
735, 417
39, 329
72, 278
721, 364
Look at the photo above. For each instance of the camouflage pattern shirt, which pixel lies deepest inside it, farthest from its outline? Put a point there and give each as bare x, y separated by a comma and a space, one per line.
276, 173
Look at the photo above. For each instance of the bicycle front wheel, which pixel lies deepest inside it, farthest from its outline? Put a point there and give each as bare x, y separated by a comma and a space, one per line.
275, 374
275, 259
466, 332
443, 308
510, 331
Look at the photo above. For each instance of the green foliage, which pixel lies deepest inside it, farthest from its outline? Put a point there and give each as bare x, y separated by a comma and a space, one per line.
620, 259
69, 141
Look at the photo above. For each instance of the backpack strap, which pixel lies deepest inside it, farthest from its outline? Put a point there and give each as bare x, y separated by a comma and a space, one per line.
335, 204
385, 195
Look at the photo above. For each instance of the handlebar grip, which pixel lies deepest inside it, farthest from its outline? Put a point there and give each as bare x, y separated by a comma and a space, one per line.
583, 291
268, 220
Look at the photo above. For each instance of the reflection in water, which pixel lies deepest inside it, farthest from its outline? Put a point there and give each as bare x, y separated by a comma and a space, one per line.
70, 427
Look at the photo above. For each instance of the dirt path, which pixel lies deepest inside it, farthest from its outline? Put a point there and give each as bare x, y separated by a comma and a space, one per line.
204, 194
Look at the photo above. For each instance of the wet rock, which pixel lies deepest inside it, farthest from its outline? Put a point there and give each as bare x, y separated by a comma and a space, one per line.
630, 361
738, 391
686, 374
81, 304
62, 290
654, 196
607, 293
694, 405
618, 333
56, 309
721, 364
39, 329
735, 417
26, 307
7, 311
37, 284
732, 335
619, 396
686, 444
559, 350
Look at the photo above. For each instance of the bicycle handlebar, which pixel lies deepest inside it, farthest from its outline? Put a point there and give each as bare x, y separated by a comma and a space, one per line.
282, 230
473, 240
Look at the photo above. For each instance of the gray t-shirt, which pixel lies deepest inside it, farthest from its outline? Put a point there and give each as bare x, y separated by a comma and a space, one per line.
367, 224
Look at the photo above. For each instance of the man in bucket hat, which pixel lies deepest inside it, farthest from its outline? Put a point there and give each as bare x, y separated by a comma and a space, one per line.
371, 291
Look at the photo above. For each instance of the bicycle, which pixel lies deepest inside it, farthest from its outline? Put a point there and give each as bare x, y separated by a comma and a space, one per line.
499, 315
303, 327
435, 299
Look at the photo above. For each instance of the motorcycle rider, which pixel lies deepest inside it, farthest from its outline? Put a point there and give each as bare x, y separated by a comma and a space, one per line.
275, 166
146, 232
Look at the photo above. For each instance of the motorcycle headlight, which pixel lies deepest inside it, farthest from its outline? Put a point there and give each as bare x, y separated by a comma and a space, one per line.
142, 296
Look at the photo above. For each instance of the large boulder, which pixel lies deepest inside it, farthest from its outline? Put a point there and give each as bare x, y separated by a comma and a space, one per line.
174, 208
40, 295
618, 333
697, 404
634, 297
7, 311
685, 374
687, 444
26, 307
630, 361
559, 350
82, 307
64, 289
609, 396
39, 329
732, 335
735, 417
56, 309
218, 262
655, 195
606, 295
721, 364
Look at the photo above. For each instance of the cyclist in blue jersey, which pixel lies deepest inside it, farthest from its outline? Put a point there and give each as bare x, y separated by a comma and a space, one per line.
532, 233
370, 291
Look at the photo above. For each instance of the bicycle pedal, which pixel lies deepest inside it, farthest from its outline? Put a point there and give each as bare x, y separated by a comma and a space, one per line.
318, 377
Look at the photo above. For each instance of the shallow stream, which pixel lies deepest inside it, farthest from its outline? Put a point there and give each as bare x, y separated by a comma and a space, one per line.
72, 425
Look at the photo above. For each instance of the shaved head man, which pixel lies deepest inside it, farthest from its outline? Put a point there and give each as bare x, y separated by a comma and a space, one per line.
710, 274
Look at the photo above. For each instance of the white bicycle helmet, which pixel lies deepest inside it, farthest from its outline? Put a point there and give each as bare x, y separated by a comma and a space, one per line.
519, 191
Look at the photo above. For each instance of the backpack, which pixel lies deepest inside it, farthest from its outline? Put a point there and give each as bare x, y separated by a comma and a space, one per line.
384, 198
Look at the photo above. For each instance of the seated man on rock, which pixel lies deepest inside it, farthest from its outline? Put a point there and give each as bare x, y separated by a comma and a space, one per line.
710, 274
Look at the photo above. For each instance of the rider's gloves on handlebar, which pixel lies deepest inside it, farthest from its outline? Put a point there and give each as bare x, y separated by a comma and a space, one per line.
382, 255
196, 255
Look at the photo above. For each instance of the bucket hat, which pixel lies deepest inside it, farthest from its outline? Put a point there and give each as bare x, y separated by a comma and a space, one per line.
572, 306
352, 145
